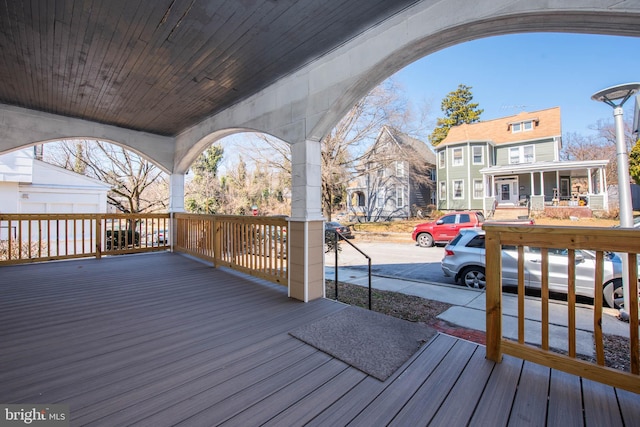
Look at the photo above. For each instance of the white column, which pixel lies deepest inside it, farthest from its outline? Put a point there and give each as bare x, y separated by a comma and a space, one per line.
542, 184
533, 185
306, 224
176, 192
603, 190
589, 181
306, 181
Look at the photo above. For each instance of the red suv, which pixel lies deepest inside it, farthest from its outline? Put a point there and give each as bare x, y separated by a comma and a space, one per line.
445, 228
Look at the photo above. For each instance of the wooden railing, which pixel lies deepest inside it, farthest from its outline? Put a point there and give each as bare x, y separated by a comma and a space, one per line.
599, 240
45, 237
251, 244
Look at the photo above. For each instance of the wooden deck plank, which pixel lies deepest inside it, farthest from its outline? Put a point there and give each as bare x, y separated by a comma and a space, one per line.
268, 405
600, 405
530, 405
468, 389
629, 407
192, 344
565, 400
423, 405
307, 408
495, 404
385, 406
171, 404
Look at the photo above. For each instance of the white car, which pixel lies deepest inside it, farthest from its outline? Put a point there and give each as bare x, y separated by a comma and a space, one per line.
465, 261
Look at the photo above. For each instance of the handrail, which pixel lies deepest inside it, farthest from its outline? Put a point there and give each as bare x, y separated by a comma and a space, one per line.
598, 240
255, 245
26, 238
336, 240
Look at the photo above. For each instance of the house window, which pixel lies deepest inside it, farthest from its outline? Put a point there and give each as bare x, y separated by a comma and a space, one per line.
514, 155
478, 189
400, 169
399, 197
381, 172
380, 202
528, 153
524, 154
443, 191
522, 126
441, 159
457, 157
457, 189
478, 155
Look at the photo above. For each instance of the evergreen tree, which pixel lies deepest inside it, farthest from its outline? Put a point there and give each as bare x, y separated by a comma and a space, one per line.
458, 109
634, 162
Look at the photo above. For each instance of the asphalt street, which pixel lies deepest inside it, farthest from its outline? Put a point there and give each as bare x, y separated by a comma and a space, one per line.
402, 260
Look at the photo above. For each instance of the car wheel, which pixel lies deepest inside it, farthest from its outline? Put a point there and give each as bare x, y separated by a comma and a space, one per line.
473, 277
612, 293
425, 240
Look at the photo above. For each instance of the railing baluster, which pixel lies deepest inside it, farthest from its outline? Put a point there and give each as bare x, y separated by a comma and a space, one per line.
521, 295
597, 310
571, 301
544, 293
633, 313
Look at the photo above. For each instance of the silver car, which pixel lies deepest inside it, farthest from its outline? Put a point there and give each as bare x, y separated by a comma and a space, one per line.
465, 261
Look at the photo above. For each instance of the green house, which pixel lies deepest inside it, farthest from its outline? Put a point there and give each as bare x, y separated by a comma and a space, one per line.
513, 163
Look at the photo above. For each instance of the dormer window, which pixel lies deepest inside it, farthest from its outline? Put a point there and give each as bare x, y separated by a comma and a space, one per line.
523, 126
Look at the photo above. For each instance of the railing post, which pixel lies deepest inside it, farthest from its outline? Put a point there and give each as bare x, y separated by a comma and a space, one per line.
493, 296
98, 221
217, 241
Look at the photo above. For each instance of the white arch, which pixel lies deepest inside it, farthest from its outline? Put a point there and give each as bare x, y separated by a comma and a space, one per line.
306, 104
23, 128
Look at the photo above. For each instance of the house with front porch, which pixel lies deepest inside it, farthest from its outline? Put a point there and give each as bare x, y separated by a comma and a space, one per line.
396, 175
512, 164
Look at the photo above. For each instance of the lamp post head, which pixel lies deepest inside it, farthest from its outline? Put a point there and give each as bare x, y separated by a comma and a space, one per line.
613, 93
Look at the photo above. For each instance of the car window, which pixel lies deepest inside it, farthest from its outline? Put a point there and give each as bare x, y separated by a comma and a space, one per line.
448, 219
456, 240
464, 218
476, 242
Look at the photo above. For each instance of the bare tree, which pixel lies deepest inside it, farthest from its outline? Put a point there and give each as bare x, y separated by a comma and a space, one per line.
344, 147
597, 147
137, 185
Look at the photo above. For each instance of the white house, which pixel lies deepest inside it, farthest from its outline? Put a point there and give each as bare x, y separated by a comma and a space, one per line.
28, 185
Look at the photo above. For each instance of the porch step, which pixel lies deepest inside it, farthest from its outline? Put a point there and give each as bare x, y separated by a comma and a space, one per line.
510, 212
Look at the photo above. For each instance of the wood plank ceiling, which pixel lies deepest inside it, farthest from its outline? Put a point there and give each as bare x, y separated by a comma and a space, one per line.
162, 65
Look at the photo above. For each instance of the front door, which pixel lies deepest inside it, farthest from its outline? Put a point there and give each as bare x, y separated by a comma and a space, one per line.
507, 192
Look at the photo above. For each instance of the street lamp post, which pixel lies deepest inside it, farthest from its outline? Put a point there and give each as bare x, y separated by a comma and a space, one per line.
609, 96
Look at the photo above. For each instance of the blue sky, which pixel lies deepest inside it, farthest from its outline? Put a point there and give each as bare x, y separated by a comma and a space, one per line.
529, 72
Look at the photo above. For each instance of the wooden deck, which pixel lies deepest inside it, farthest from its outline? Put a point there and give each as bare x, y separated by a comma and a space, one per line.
161, 339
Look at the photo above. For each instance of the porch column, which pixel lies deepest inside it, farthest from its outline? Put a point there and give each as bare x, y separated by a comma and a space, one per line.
176, 192
176, 203
306, 227
601, 181
542, 185
558, 185
590, 190
533, 184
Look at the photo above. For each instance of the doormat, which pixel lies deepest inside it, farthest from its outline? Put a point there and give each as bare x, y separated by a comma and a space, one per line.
374, 343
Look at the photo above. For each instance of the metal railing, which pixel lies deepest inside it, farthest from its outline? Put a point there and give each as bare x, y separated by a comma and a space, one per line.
45, 237
598, 240
253, 245
337, 237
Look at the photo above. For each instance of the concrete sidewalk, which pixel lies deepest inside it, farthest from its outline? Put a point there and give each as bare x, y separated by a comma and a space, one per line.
468, 310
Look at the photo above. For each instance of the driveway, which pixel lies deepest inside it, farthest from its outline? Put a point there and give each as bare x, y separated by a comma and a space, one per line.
402, 260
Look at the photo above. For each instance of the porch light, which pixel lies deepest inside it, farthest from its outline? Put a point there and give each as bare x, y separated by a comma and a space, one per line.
610, 96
